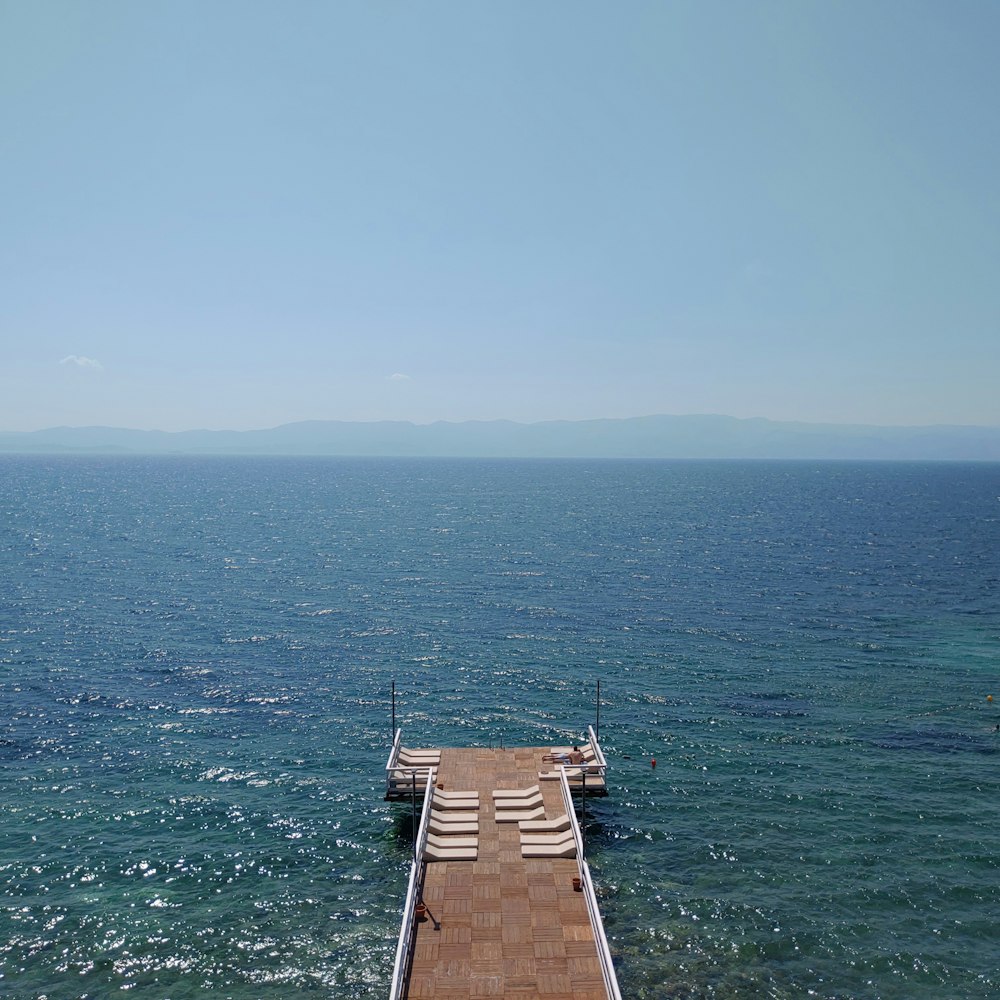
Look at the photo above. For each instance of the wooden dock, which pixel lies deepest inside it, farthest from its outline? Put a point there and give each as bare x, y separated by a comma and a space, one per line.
503, 925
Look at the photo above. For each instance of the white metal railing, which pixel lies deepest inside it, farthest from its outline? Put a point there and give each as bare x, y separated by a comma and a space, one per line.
394, 751
600, 938
599, 758
586, 882
404, 947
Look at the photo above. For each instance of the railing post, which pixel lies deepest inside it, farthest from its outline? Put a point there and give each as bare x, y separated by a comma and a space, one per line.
413, 805
583, 825
393, 711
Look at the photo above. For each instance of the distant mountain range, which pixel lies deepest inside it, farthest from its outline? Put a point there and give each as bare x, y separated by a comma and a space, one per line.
637, 437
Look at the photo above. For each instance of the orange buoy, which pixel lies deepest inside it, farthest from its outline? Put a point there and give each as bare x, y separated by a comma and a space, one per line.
989, 697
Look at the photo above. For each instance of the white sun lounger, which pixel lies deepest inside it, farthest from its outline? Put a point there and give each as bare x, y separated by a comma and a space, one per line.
575, 777
564, 850
519, 815
515, 793
441, 793
458, 816
585, 748
545, 825
405, 760
406, 774
403, 781
501, 804
450, 843
450, 828
451, 854
547, 838
428, 752
456, 803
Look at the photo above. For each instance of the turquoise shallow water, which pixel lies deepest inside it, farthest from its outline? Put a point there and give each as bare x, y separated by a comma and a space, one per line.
196, 657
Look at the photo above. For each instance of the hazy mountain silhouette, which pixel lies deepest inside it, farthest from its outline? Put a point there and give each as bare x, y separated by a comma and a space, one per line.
639, 437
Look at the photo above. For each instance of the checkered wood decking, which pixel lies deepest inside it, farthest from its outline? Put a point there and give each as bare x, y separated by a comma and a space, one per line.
509, 927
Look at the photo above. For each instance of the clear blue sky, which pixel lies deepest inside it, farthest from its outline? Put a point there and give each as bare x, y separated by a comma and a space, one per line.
239, 214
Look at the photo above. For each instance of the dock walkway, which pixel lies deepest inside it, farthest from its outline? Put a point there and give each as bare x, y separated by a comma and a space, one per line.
503, 925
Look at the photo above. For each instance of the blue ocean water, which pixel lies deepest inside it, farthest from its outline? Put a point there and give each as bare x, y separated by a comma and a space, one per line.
196, 656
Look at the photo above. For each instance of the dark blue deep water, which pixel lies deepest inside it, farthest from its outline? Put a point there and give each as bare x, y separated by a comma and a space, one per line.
195, 666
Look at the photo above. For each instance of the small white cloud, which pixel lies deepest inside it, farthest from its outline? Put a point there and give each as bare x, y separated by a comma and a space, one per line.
81, 362
399, 377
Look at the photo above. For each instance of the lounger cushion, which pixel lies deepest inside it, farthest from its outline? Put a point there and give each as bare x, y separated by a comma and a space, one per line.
452, 828
546, 825
501, 804
407, 775
594, 781
567, 850
455, 854
514, 793
452, 842
547, 838
457, 816
517, 815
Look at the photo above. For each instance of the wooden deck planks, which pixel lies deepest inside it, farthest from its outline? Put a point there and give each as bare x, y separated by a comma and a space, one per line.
509, 927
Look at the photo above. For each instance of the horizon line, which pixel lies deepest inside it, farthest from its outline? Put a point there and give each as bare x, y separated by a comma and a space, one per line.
494, 420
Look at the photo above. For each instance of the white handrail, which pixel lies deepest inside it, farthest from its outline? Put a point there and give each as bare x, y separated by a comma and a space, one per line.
404, 946
394, 751
600, 938
587, 883
596, 747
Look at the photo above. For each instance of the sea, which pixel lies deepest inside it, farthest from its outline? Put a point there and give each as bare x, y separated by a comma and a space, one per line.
795, 659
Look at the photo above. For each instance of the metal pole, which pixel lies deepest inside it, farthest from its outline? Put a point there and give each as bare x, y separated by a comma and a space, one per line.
583, 825
597, 726
413, 804
393, 736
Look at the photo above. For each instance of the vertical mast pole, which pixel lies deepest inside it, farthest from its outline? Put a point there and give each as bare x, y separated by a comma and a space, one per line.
597, 726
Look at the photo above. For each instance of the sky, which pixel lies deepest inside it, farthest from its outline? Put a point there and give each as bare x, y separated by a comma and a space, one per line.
238, 214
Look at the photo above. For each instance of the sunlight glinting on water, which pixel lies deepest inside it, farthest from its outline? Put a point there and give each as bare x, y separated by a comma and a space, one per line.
198, 654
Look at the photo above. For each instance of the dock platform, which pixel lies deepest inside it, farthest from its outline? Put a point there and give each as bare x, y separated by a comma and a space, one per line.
499, 923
